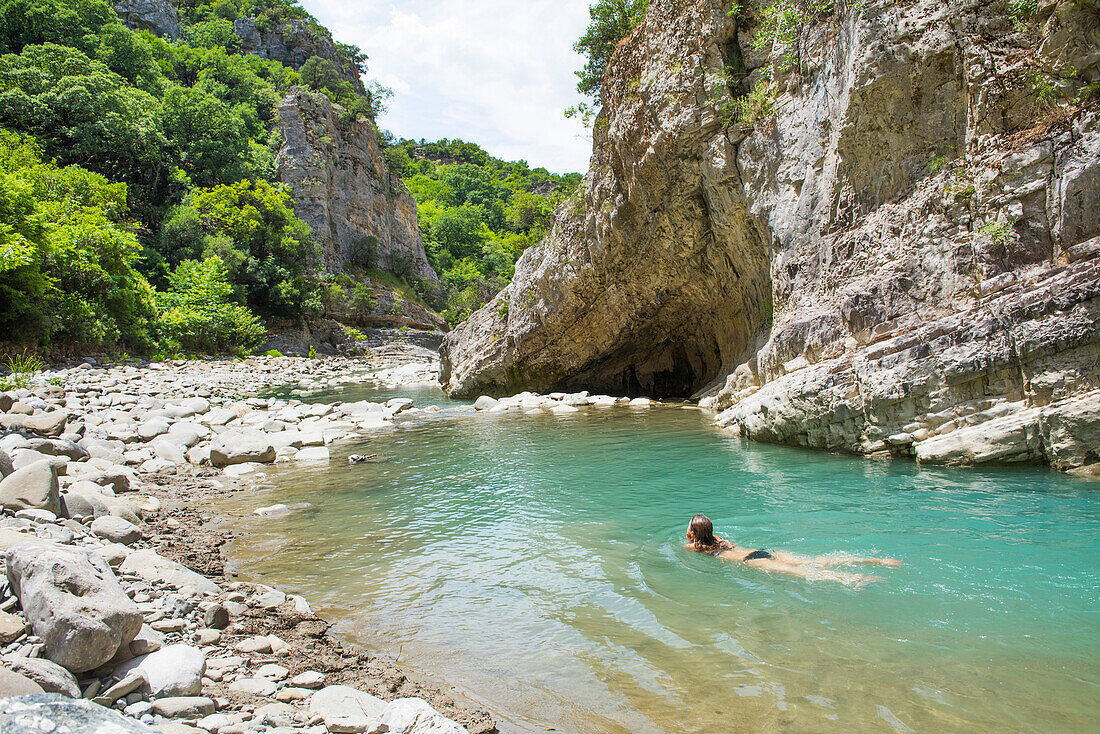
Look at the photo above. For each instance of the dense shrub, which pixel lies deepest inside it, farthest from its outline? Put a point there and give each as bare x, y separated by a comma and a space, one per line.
66, 253
197, 313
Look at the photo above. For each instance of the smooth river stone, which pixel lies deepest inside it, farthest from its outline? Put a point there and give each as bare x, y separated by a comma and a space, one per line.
33, 486
49, 675
346, 710
153, 567
52, 712
175, 670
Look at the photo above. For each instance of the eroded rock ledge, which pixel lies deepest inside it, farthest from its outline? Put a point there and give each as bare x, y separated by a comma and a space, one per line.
903, 258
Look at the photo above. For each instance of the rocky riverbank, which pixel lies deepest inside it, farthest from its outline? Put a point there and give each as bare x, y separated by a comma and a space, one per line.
117, 607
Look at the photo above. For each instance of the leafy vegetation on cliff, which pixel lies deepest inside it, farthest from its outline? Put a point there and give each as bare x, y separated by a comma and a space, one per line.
126, 157
612, 21
477, 213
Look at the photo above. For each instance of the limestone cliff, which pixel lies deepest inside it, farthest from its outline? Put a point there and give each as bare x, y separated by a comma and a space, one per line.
158, 16
292, 43
897, 249
359, 213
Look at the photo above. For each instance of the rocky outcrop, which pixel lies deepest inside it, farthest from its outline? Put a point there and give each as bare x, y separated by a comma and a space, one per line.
158, 16
361, 215
893, 252
292, 43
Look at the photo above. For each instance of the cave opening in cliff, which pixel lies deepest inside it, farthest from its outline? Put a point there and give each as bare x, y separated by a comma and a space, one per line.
655, 368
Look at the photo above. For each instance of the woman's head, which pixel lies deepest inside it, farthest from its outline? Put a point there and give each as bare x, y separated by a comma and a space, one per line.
701, 532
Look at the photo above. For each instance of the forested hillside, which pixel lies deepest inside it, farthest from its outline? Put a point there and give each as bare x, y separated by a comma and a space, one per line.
140, 197
478, 214
139, 206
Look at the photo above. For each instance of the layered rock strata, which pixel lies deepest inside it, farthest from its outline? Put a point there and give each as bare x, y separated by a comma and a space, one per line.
360, 214
878, 238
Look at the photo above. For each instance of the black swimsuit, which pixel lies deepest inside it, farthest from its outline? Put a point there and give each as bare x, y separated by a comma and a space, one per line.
757, 554
752, 556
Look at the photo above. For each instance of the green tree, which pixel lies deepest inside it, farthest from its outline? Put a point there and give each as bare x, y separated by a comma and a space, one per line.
198, 312
210, 141
217, 32
321, 74
459, 231
66, 253
268, 252
66, 22
83, 113
611, 21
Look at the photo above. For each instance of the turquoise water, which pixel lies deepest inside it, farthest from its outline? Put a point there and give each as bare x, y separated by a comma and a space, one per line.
536, 562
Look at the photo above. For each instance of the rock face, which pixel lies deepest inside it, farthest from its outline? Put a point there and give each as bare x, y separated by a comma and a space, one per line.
359, 213
292, 43
902, 246
158, 16
73, 602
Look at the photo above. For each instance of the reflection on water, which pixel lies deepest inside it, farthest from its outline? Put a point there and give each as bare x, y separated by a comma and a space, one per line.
537, 563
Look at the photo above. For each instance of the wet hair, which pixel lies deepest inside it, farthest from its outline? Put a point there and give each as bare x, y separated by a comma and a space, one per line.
702, 531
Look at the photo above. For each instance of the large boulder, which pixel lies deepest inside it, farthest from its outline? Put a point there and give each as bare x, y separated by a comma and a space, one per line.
52, 712
241, 447
6, 467
175, 670
153, 567
32, 487
46, 673
73, 602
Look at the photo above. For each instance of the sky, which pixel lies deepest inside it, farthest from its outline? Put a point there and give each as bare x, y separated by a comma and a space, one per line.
498, 73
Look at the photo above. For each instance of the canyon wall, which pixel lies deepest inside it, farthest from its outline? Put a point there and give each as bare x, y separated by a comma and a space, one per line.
360, 214
881, 237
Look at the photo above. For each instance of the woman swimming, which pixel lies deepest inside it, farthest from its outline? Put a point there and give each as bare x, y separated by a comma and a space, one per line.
701, 538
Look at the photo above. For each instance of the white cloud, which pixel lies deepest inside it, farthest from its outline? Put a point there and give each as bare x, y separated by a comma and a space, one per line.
494, 72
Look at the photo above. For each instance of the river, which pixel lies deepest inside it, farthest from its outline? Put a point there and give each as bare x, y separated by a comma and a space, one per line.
536, 562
